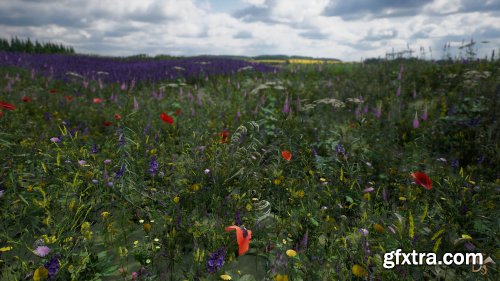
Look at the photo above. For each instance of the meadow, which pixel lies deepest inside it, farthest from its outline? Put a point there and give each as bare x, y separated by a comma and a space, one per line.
168, 169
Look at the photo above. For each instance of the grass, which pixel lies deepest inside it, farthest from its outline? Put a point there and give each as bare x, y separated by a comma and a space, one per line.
158, 208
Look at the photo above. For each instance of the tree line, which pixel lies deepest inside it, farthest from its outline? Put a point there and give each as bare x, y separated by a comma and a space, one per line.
27, 46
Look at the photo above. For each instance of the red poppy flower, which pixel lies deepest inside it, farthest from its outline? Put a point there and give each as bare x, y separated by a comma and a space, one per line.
6, 105
53, 91
422, 179
107, 123
177, 112
243, 237
224, 135
68, 98
97, 100
166, 118
286, 155
26, 99
118, 116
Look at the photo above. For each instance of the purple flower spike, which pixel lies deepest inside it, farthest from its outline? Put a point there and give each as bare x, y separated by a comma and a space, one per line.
415, 121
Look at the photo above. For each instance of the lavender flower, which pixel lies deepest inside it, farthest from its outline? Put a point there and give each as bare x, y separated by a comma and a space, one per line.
153, 166
363, 231
216, 260
339, 149
95, 149
286, 106
55, 140
107, 161
53, 266
120, 172
415, 121
424, 115
81, 162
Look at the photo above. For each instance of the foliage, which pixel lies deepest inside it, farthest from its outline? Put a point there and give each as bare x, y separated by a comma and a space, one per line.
315, 160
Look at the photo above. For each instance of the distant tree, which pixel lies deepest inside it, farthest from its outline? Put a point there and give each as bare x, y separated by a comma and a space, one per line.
27, 46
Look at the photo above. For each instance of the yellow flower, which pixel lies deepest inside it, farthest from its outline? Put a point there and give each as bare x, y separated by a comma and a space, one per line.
122, 251
291, 253
248, 207
278, 180
85, 226
280, 277
147, 227
195, 187
225, 277
176, 199
105, 214
5, 249
284, 241
359, 271
41, 273
378, 228
300, 194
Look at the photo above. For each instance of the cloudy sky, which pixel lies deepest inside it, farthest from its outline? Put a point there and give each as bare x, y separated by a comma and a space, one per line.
346, 29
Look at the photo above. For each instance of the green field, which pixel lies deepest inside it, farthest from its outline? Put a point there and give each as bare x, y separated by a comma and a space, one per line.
140, 183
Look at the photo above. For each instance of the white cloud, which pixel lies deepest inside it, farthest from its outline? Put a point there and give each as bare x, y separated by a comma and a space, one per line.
190, 27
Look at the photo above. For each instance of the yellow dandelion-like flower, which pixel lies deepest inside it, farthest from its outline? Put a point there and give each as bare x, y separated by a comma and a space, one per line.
225, 277
5, 249
105, 214
359, 271
41, 273
284, 241
176, 199
291, 253
195, 187
300, 193
280, 277
248, 207
147, 227
379, 228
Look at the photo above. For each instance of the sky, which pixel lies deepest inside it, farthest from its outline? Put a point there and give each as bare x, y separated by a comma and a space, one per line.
350, 30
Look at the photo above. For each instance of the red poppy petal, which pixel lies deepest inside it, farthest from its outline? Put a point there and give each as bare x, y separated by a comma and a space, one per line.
6, 105
166, 118
286, 155
422, 179
242, 240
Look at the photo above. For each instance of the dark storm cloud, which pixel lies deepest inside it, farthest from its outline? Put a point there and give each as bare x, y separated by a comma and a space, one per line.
352, 8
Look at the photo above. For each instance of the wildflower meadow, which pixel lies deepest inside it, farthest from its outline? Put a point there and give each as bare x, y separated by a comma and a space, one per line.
210, 168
